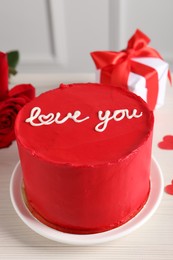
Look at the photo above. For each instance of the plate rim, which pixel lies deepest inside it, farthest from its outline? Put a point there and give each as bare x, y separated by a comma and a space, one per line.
146, 212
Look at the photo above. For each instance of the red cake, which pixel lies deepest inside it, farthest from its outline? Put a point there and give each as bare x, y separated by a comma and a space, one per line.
85, 152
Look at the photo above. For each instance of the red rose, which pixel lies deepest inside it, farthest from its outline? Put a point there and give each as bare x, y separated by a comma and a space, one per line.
8, 111
9, 108
11, 101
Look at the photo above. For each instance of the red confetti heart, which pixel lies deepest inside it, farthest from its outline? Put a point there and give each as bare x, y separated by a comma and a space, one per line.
167, 143
169, 188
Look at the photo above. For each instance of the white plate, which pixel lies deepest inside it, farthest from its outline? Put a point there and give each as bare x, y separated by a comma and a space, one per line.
73, 239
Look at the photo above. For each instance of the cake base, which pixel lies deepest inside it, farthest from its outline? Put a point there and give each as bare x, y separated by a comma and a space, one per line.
77, 230
156, 181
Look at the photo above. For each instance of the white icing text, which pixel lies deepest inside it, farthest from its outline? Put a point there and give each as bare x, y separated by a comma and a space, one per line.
52, 118
38, 119
118, 115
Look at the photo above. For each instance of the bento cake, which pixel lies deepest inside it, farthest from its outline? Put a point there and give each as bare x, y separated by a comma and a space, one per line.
85, 152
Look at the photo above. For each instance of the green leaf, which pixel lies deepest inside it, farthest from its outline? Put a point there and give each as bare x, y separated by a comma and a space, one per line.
13, 58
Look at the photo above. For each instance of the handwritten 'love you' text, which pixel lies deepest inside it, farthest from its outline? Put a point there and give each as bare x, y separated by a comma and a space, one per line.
38, 119
118, 115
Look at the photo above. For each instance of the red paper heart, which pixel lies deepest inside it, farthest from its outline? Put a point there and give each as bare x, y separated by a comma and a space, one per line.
169, 188
167, 143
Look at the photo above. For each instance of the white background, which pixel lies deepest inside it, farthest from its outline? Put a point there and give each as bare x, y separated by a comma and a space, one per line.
58, 35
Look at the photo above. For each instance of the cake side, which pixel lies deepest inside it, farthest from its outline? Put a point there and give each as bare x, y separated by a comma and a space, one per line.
86, 200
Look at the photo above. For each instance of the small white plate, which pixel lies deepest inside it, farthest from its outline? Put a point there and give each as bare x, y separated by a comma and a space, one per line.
80, 240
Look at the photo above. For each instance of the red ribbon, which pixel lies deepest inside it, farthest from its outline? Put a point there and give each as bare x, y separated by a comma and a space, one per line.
116, 66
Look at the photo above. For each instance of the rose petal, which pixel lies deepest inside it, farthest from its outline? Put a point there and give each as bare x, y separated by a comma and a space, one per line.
8, 112
7, 140
25, 90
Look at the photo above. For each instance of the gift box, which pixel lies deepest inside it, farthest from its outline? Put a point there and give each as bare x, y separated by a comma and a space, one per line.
139, 68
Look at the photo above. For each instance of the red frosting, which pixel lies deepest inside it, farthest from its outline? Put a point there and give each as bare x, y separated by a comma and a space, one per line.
77, 179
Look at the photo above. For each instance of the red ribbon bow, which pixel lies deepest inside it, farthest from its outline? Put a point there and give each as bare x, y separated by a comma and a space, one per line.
116, 66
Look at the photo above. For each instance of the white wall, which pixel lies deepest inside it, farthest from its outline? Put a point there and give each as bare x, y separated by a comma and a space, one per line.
58, 35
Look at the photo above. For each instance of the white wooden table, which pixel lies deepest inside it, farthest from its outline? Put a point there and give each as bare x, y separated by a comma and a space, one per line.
154, 240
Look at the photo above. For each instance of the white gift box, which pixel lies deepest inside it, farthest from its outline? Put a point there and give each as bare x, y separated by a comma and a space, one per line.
137, 83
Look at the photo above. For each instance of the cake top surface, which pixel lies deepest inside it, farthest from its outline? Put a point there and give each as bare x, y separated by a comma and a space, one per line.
84, 124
